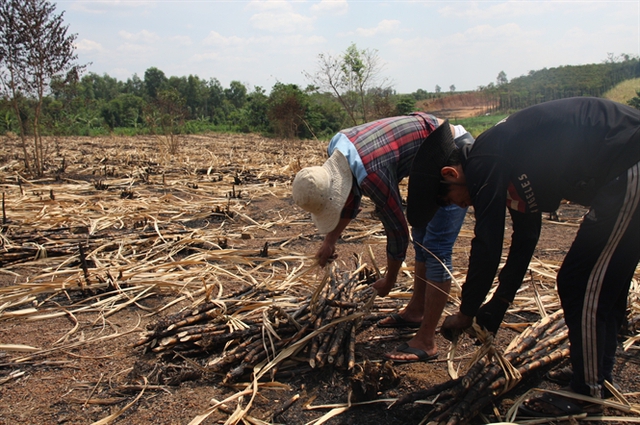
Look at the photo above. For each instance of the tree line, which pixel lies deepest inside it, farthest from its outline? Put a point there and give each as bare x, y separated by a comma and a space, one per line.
44, 91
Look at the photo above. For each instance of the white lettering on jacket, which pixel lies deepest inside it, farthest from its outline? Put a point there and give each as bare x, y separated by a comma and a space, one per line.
529, 195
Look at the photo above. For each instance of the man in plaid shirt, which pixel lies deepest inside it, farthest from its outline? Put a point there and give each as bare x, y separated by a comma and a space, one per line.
372, 159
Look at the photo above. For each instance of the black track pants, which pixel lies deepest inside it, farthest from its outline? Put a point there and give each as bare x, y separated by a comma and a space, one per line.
593, 282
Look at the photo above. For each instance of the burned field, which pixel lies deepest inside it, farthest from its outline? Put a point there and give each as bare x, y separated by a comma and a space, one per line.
142, 288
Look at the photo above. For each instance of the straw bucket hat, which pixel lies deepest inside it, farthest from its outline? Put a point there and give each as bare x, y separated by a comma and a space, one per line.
323, 190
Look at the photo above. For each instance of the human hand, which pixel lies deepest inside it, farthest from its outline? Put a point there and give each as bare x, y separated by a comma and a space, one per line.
326, 253
453, 325
383, 286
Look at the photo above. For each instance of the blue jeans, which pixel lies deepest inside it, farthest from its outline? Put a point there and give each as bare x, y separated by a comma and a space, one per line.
438, 238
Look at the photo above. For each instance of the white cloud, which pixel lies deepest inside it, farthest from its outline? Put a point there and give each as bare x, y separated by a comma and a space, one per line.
384, 27
334, 7
268, 5
479, 11
467, 58
285, 45
182, 40
216, 39
507, 34
200, 57
86, 45
99, 7
120, 3
282, 22
133, 48
143, 36
423, 42
301, 41
278, 16
539, 13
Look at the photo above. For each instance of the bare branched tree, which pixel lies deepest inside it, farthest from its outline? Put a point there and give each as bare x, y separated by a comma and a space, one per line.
328, 77
38, 50
351, 78
165, 115
11, 65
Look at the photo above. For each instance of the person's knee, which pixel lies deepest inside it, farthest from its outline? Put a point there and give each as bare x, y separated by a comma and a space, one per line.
437, 271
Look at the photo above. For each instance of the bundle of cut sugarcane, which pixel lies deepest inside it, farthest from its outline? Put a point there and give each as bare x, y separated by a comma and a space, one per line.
631, 329
491, 375
235, 334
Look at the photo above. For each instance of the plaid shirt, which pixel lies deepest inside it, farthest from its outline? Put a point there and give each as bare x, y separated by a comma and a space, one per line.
387, 148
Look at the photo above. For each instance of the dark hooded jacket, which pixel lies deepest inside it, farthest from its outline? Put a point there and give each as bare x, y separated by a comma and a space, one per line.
531, 161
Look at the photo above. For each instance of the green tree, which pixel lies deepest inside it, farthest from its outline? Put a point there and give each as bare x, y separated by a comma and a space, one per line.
382, 103
126, 110
154, 81
195, 97
501, 79
355, 75
421, 94
68, 110
100, 87
287, 108
405, 105
236, 94
214, 101
134, 85
257, 107
325, 116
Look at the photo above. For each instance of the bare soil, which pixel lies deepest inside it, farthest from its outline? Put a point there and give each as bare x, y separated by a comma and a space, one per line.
224, 190
457, 106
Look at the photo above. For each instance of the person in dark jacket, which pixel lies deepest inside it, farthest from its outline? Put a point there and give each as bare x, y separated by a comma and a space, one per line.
583, 150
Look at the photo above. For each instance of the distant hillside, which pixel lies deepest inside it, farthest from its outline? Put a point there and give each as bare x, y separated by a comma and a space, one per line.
452, 106
566, 81
613, 80
624, 91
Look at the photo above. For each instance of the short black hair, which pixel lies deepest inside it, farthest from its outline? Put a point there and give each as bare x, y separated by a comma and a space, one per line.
455, 158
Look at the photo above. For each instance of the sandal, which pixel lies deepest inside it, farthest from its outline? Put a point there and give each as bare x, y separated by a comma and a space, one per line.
421, 355
396, 321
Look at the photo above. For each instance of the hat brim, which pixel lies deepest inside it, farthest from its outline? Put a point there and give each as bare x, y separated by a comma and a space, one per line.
341, 182
425, 175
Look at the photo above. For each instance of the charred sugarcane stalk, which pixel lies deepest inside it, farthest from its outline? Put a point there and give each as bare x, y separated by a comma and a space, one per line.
459, 401
424, 394
351, 353
337, 340
211, 329
237, 353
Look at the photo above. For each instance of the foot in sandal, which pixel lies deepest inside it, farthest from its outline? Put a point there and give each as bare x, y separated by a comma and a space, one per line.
404, 353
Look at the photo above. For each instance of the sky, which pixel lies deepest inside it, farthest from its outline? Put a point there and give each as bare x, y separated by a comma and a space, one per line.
419, 44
